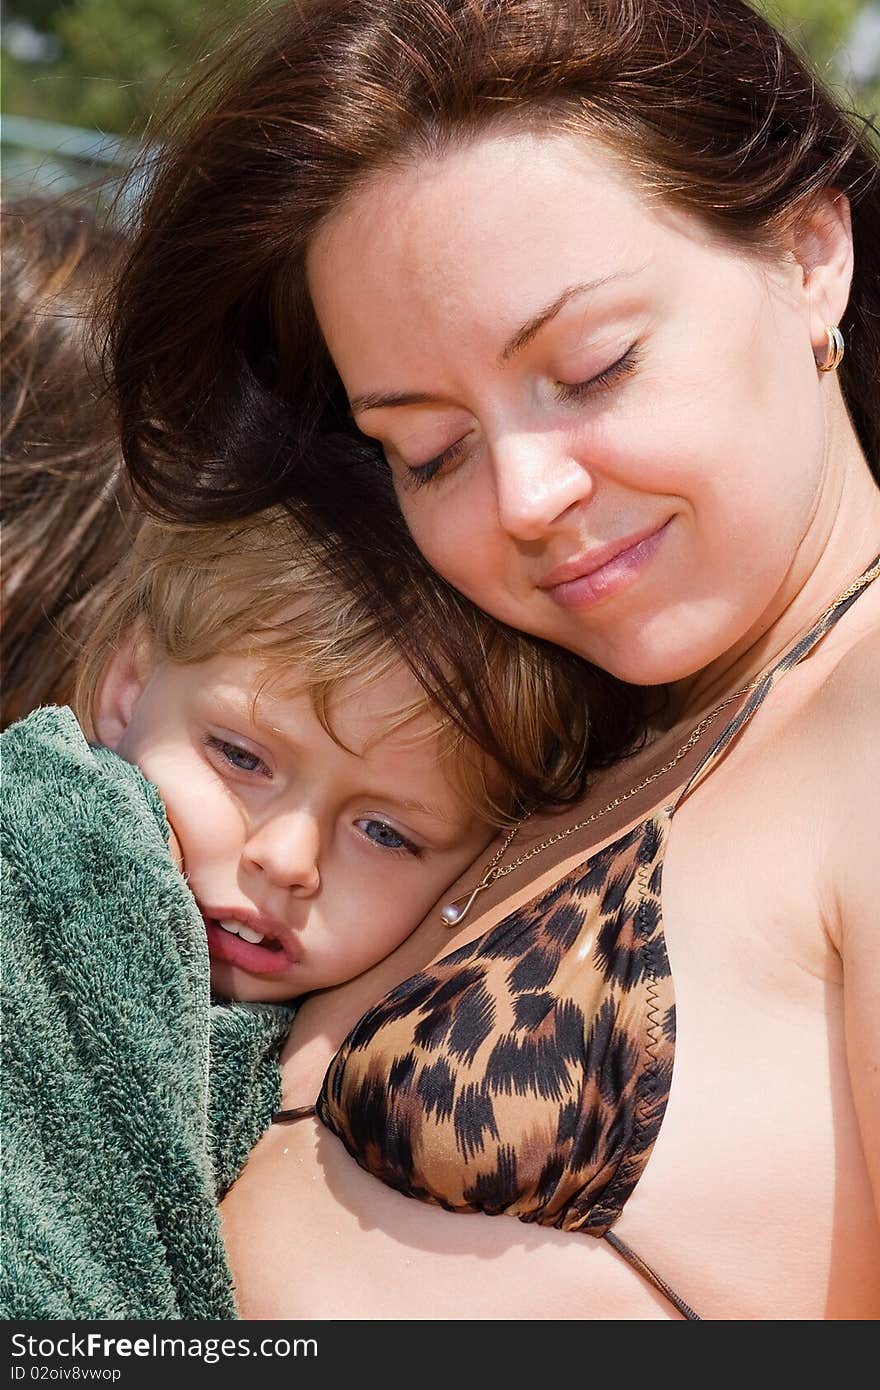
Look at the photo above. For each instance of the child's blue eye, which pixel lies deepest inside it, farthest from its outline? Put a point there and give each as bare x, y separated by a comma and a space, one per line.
240, 757
385, 836
237, 757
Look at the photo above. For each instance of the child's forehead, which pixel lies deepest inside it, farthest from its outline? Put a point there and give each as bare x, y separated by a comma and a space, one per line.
363, 708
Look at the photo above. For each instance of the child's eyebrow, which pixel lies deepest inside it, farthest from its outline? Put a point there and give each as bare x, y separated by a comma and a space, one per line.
406, 804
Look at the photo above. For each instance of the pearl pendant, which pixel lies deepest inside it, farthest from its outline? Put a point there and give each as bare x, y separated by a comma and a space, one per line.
452, 913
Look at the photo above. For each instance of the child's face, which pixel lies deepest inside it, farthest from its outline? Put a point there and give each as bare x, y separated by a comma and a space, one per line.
309, 862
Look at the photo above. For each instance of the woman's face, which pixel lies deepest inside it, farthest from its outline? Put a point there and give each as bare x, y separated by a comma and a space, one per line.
605, 425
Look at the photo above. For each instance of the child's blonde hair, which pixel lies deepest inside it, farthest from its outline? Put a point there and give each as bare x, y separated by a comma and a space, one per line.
262, 587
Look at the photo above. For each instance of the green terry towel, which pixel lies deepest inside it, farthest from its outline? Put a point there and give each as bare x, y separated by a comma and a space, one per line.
116, 1140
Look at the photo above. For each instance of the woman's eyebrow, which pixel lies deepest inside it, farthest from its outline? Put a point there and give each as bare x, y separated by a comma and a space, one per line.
381, 400
524, 335
384, 400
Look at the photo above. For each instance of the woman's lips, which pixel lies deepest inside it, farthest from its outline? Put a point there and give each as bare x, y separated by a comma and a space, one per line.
257, 958
615, 574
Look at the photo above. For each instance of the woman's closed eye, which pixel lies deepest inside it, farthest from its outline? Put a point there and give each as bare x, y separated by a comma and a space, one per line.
609, 376
234, 756
384, 836
418, 475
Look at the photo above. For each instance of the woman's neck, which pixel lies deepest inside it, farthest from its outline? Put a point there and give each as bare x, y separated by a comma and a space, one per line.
841, 541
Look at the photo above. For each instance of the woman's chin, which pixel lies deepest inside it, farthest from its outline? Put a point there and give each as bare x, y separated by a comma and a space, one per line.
636, 661
662, 643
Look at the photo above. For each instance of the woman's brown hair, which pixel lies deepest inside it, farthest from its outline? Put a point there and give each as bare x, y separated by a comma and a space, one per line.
67, 515
228, 399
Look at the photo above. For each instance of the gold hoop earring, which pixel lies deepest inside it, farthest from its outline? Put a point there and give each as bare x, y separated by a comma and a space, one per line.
835, 350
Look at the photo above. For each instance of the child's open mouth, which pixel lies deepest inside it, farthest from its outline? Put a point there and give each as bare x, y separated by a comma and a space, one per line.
233, 942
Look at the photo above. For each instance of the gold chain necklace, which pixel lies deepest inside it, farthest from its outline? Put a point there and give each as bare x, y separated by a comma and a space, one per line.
454, 912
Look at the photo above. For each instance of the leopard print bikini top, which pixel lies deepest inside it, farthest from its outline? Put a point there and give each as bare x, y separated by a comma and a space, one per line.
528, 1071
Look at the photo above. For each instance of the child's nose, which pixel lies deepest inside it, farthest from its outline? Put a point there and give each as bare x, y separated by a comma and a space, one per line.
285, 849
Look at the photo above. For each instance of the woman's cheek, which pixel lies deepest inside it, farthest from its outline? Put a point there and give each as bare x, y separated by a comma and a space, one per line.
459, 551
451, 521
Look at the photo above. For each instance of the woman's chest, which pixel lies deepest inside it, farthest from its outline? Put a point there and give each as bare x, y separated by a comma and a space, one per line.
755, 1183
311, 1235
754, 1203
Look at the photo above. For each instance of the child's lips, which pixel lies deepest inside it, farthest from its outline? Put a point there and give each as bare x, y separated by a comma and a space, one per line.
271, 956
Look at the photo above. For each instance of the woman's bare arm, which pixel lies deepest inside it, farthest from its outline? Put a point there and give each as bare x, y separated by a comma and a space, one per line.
850, 715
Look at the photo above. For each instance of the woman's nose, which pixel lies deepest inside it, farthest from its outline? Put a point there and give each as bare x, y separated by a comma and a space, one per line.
537, 481
286, 849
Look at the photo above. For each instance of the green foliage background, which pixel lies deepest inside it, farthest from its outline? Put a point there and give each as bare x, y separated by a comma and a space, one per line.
121, 60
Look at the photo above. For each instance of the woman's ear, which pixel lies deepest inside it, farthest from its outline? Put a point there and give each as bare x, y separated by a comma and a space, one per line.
821, 243
119, 689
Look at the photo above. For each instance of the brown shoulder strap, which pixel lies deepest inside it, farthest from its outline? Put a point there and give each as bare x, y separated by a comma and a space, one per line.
795, 654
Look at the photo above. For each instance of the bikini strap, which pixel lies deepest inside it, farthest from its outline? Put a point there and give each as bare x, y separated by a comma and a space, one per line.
792, 657
652, 1276
299, 1112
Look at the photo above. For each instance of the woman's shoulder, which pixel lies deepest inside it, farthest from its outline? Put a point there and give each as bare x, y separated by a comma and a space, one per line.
837, 734
849, 696
839, 729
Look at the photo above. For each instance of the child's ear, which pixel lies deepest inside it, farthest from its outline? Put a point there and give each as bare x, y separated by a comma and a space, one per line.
119, 689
